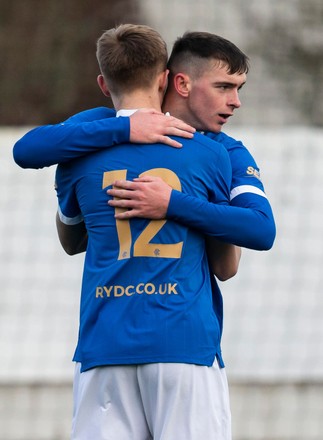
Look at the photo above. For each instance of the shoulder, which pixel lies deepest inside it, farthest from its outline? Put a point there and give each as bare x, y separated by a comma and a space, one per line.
229, 142
210, 155
212, 152
239, 154
245, 170
211, 145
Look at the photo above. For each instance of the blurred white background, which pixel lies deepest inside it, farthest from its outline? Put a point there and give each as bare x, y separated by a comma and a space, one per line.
273, 334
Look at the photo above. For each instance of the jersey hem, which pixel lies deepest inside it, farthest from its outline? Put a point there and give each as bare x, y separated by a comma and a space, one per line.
208, 362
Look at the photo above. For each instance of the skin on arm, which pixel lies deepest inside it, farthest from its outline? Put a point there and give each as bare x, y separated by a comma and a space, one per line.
73, 238
223, 258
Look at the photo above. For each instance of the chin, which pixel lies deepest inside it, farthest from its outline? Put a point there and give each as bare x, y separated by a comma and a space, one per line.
216, 129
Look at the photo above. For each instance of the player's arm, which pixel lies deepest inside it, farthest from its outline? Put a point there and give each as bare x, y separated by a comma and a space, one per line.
73, 238
248, 225
223, 258
81, 134
70, 225
92, 130
248, 222
152, 195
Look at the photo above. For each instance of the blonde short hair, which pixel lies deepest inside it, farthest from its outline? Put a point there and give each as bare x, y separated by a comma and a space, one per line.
130, 56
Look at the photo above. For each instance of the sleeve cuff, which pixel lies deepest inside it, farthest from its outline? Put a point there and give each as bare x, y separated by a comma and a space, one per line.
70, 221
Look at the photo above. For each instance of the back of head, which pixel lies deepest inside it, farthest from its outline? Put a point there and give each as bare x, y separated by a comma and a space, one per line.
193, 50
130, 56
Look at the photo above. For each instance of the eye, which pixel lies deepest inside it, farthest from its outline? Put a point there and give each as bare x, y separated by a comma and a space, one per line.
223, 87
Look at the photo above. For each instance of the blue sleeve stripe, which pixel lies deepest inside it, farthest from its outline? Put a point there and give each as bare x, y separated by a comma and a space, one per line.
246, 189
70, 221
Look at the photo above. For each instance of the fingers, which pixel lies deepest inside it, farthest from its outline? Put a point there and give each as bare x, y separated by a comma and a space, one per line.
127, 214
172, 142
168, 141
151, 111
146, 197
175, 127
124, 184
146, 178
122, 203
121, 194
124, 194
180, 126
151, 126
133, 184
128, 208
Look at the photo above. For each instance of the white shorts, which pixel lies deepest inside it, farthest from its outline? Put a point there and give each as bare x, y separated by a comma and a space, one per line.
161, 401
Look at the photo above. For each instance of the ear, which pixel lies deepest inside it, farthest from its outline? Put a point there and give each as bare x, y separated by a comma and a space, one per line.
182, 84
103, 86
163, 80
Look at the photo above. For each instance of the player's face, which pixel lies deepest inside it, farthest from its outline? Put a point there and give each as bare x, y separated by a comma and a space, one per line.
213, 98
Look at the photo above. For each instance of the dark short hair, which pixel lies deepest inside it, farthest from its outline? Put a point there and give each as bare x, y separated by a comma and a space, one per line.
207, 46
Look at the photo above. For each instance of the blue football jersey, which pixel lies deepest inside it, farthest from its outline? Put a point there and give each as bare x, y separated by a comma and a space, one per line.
146, 289
245, 172
248, 221
250, 224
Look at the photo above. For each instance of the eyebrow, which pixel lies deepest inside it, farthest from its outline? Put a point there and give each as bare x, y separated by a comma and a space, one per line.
228, 84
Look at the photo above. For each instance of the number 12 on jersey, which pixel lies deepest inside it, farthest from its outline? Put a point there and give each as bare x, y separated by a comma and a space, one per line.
142, 247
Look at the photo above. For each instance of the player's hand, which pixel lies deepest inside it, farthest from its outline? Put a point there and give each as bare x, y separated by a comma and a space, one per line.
146, 196
148, 126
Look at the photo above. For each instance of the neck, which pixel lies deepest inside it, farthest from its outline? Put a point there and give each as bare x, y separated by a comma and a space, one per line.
176, 107
138, 99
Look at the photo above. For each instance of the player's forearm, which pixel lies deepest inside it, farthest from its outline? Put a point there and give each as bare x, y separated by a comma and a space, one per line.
242, 226
72, 238
52, 144
223, 258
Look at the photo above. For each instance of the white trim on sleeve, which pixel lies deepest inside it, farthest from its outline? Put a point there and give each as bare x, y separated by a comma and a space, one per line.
246, 189
68, 220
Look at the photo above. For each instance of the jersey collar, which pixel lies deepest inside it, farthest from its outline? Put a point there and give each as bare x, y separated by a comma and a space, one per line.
126, 112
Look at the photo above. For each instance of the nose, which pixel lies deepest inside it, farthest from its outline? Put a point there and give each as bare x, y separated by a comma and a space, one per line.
235, 99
